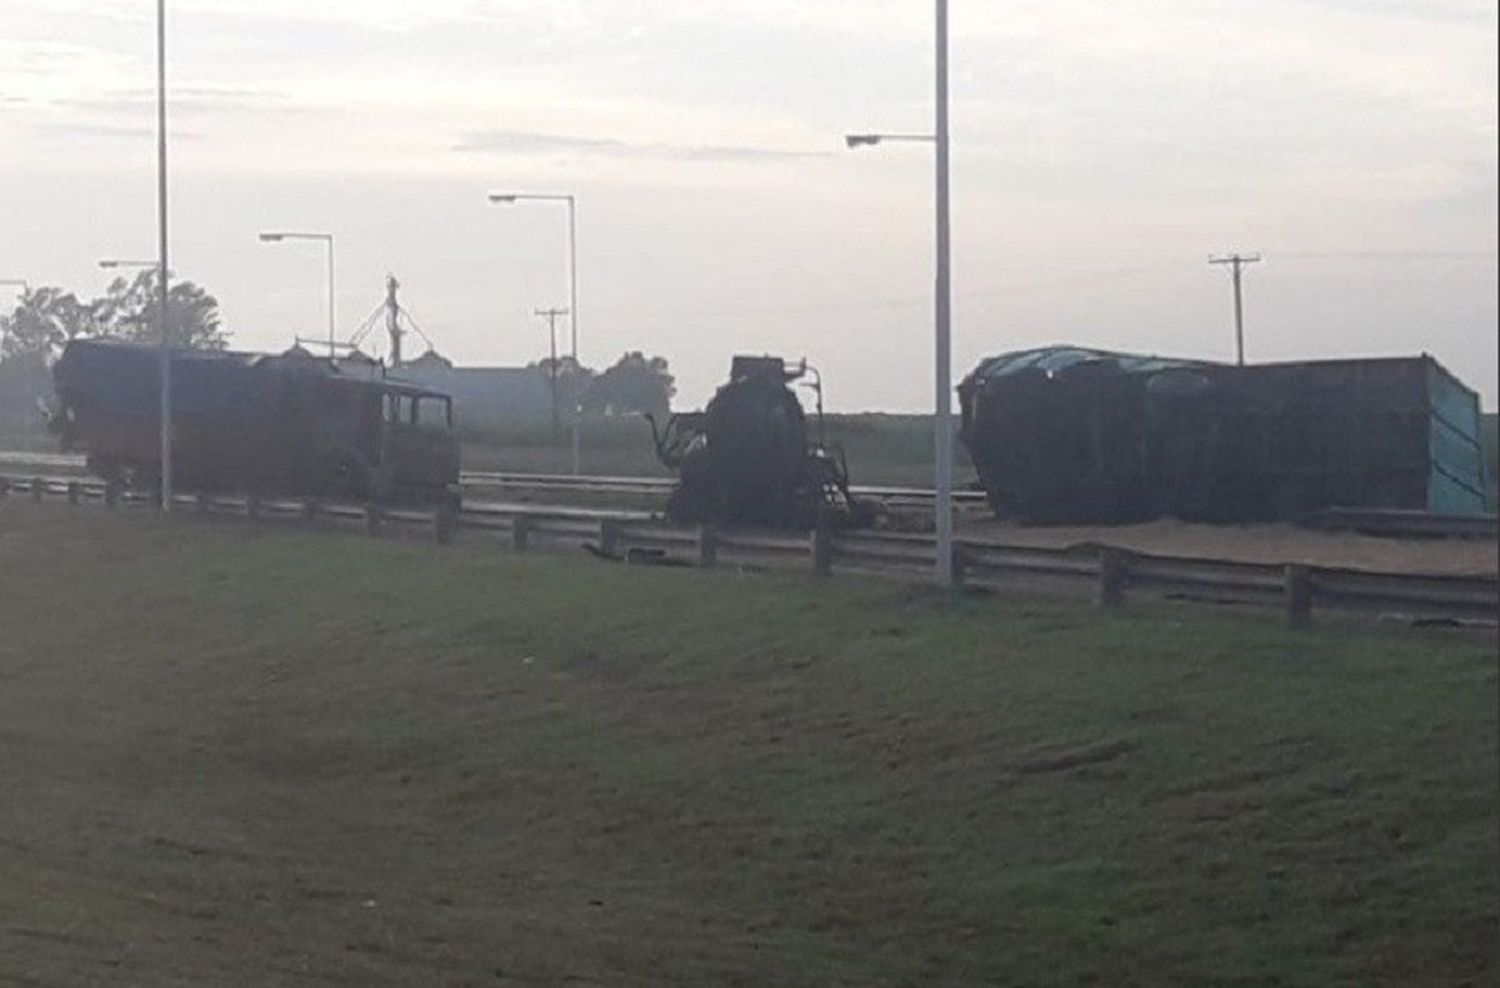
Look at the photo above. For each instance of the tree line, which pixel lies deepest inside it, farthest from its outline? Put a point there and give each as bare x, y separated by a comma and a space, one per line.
635, 384
46, 319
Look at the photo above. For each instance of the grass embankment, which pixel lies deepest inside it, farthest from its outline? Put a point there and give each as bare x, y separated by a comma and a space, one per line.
276, 758
883, 450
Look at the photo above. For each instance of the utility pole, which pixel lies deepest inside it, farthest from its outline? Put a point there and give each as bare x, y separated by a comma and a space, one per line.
393, 319
1236, 263
552, 315
163, 273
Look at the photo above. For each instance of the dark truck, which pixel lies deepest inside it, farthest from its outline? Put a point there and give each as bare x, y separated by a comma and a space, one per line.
289, 424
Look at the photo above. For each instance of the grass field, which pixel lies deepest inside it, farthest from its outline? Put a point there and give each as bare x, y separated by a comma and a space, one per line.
241, 758
883, 450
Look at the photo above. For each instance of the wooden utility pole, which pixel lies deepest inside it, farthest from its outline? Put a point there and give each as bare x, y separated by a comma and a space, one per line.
552, 315
1236, 263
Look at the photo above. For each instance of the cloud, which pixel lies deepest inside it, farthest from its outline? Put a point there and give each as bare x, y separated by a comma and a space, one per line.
110, 131
519, 142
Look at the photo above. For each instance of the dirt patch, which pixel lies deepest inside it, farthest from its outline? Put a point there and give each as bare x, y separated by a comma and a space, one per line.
1061, 760
1274, 544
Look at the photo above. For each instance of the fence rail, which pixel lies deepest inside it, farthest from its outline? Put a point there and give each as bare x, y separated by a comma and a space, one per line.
652, 487
1110, 575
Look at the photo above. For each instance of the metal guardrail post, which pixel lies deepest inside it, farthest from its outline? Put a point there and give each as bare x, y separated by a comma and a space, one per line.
609, 536
38, 487
4, 488
821, 547
520, 533
205, 502
442, 525
74, 492
1111, 590
310, 510
372, 519
111, 494
708, 547
252, 507
960, 564
1298, 596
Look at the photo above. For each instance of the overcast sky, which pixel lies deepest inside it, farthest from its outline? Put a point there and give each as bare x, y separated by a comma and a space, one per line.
1102, 152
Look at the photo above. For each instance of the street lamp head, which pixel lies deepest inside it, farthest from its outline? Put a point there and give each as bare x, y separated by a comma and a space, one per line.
503, 197
272, 238
861, 140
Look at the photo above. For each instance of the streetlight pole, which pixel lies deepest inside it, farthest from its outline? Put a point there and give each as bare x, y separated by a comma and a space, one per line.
164, 296
944, 317
326, 238
165, 350
510, 198
943, 301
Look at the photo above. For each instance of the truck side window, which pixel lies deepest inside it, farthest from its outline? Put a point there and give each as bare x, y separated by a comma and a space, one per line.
434, 413
399, 408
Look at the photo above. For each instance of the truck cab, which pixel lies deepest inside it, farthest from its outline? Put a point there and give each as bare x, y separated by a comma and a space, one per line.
419, 451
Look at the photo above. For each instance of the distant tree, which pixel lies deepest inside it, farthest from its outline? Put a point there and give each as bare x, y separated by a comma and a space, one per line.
636, 383
43, 323
48, 318
129, 308
33, 334
573, 380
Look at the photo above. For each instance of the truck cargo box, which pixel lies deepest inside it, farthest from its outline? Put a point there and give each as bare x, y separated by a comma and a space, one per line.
1069, 434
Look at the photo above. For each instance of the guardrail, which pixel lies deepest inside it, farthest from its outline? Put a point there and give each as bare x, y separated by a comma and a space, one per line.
654, 487
1108, 574
662, 486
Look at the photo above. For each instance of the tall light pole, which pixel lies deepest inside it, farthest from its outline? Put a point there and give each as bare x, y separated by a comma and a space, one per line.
327, 238
113, 264
1236, 263
943, 302
510, 198
572, 201
164, 296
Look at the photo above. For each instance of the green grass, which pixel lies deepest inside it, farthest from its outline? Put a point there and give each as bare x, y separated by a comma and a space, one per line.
277, 758
883, 450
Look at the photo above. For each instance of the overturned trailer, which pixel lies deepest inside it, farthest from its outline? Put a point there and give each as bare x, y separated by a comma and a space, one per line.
1069, 434
289, 424
748, 458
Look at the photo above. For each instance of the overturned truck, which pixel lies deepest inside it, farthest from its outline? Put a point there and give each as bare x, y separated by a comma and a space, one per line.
241, 422
748, 458
1073, 435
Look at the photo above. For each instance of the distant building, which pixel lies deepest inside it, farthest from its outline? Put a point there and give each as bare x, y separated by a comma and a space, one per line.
483, 395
